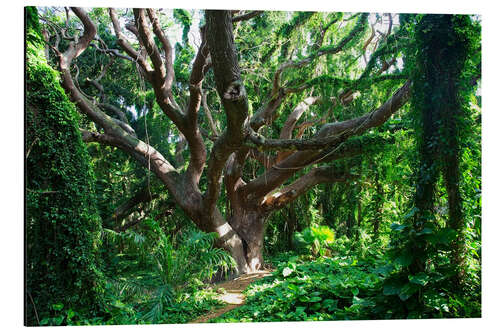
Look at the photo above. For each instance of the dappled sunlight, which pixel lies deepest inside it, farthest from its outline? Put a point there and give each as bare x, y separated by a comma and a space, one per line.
232, 298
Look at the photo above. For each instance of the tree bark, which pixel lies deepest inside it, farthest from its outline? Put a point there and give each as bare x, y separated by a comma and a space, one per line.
250, 224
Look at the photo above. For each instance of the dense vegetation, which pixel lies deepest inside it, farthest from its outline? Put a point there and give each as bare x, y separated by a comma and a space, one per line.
62, 223
341, 151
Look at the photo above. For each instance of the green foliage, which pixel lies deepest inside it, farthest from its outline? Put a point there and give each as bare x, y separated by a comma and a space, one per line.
315, 239
183, 17
183, 57
338, 288
195, 247
155, 283
354, 35
426, 247
184, 52
183, 309
62, 224
353, 284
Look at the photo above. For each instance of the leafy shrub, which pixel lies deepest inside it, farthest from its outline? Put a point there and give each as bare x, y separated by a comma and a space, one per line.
185, 308
314, 239
429, 293
323, 289
62, 223
161, 273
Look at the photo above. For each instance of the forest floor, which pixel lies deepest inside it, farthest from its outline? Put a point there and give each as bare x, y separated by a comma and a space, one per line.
231, 293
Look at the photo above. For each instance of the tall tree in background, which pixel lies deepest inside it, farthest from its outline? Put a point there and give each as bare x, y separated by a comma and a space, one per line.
446, 46
62, 223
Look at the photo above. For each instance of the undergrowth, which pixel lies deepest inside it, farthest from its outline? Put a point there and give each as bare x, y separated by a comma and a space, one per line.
354, 283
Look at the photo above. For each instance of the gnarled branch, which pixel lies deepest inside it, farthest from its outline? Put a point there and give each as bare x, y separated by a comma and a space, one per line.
319, 175
125, 45
332, 134
247, 16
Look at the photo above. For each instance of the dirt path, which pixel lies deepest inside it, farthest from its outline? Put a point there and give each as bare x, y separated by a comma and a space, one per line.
232, 295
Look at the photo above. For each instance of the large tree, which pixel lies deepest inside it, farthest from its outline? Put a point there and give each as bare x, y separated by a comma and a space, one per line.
290, 164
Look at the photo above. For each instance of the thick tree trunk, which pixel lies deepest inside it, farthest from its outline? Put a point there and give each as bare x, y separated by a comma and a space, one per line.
236, 247
250, 226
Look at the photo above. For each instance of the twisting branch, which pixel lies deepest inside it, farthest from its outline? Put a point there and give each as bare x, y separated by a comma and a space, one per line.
120, 120
335, 133
285, 145
331, 135
77, 84
289, 126
56, 34
125, 45
147, 40
322, 33
386, 65
266, 114
179, 148
368, 41
114, 110
265, 160
373, 119
320, 52
208, 113
193, 134
112, 52
105, 139
389, 28
319, 175
158, 75
114, 135
95, 82
167, 48
247, 16
143, 195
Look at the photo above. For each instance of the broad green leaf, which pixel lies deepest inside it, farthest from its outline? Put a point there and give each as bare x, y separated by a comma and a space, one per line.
419, 278
411, 213
384, 270
315, 299
391, 289
407, 290
446, 235
404, 259
71, 313
397, 227
58, 320
424, 231
57, 306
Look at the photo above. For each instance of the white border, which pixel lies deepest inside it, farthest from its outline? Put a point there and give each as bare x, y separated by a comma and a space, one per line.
12, 160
